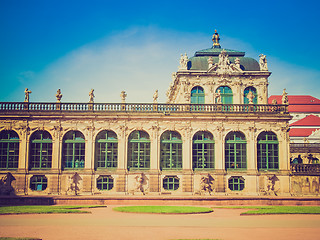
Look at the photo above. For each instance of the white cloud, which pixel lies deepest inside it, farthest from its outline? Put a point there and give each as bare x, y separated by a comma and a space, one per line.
141, 60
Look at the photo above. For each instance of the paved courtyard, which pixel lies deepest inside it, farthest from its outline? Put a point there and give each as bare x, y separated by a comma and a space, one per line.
104, 223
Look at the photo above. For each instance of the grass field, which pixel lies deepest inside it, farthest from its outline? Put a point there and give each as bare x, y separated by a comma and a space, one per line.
44, 209
278, 209
163, 209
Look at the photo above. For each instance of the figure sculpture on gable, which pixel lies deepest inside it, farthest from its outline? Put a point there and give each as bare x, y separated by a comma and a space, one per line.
183, 62
263, 62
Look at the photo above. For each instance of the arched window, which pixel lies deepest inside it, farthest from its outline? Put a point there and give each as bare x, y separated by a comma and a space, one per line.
106, 149
73, 150
139, 150
197, 95
254, 92
202, 150
235, 151
9, 150
226, 95
40, 150
268, 153
171, 150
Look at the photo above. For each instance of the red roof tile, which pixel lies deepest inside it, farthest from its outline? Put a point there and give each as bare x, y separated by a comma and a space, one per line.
301, 132
299, 103
309, 120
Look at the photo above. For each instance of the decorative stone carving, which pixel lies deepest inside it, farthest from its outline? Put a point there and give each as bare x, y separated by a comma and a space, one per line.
224, 66
58, 95
123, 96
91, 96
270, 186
141, 184
250, 97
26, 95
285, 97
5, 185
217, 96
155, 97
184, 62
210, 62
274, 102
263, 63
206, 184
74, 182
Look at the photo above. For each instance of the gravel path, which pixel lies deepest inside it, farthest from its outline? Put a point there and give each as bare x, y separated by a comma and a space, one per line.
104, 223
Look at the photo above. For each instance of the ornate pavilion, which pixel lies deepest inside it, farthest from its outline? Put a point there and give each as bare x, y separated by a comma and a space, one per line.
216, 135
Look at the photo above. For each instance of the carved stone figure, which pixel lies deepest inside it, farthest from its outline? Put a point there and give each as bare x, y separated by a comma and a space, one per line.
123, 96
224, 66
210, 62
74, 182
26, 95
270, 187
218, 96
141, 182
5, 185
250, 97
58, 95
183, 62
263, 63
285, 97
237, 62
155, 97
206, 184
91, 96
274, 102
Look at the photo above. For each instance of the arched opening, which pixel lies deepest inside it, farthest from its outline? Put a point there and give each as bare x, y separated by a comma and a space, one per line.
197, 95
224, 95
106, 150
268, 151
40, 150
235, 151
139, 150
170, 150
254, 93
9, 150
203, 151
73, 150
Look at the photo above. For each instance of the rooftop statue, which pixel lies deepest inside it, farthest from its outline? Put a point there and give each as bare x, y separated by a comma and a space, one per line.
123, 96
215, 39
58, 95
183, 62
155, 97
91, 96
263, 63
285, 97
26, 95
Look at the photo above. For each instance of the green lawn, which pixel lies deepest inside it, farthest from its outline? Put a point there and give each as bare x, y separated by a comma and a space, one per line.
278, 209
163, 209
44, 209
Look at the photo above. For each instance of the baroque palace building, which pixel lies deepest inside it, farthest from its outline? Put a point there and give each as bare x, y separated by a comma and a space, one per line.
216, 135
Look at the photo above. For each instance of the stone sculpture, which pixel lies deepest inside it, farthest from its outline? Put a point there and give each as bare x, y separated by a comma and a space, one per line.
74, 182
123, 96
183, 62
218, 96
206, 184
285, 97
91, 96
155, 97
58, 95
263, 62
5, 185
250, 97
26, 95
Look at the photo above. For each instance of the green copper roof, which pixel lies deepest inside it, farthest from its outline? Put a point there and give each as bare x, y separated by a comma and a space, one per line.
200, 59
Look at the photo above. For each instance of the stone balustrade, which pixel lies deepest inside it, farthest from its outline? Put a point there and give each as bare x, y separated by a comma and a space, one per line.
143, 107
305, 169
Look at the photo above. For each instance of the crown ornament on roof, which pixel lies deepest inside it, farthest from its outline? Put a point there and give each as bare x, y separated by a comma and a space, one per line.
216, 39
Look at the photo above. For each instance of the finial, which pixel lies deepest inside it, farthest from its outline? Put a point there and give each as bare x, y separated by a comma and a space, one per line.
215, 39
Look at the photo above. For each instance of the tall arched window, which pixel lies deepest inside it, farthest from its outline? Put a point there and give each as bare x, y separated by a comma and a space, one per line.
197, 95
235, 151
139, 150
268, 153
226, 95
9, 150
73, 150
171, 150
203, 151
245, 94
106, 150
40, 150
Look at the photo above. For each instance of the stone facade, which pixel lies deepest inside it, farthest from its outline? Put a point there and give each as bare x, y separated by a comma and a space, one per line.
162, 135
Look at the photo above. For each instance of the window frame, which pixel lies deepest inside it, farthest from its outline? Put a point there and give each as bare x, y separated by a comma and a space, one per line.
42, 146
75, 146
270, 149
203, 148
38, 183
234, 161
174, 182
255, 94
167, 148
106, 150
239, 184
197, 95
104, 183
226, 97
9, 149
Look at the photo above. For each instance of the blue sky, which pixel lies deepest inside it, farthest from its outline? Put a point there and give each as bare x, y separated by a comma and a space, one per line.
135, 45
